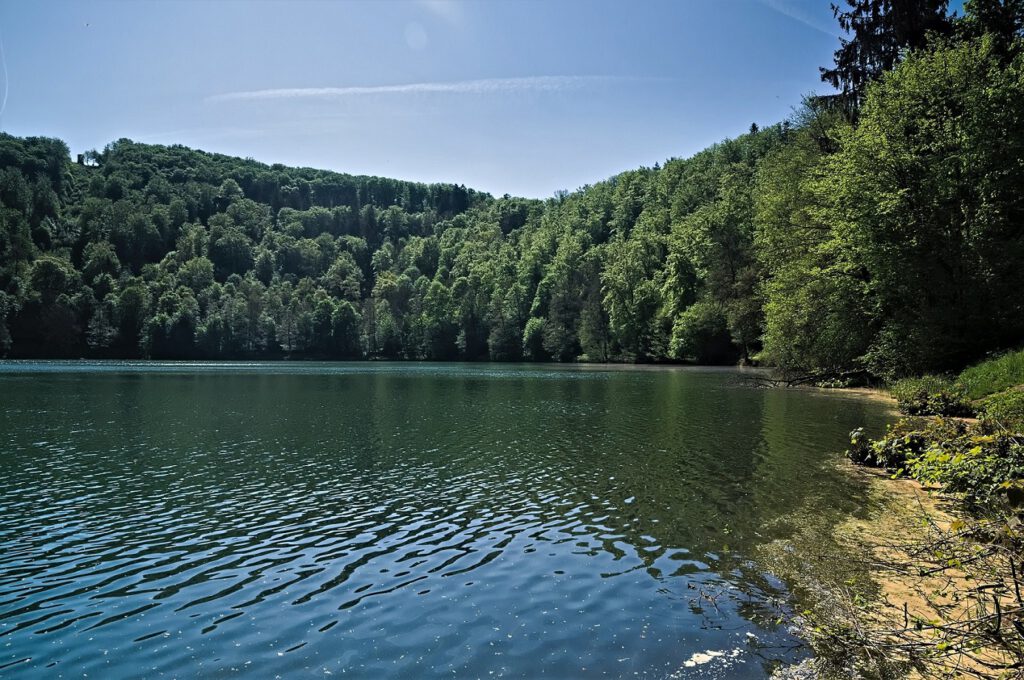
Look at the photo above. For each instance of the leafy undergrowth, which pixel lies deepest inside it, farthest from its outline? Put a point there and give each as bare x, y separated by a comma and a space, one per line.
931, 395
1005, 410
981, 462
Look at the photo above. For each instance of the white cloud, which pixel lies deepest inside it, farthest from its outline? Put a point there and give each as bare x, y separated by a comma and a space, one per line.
484, 86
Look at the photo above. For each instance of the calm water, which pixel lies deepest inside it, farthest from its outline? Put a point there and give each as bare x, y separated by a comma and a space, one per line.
402, 520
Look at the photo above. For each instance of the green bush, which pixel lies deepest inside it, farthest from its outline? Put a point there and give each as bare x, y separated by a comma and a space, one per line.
994, 375
982, 467
983, 464
903, 442
890, 452
930, 395
1005, 410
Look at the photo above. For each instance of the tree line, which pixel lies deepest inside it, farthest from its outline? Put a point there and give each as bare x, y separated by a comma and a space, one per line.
880, 231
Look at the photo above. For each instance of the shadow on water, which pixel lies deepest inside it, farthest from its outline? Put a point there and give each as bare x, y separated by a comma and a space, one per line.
397, 520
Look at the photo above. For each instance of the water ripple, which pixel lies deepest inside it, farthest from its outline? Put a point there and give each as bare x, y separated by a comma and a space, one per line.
394, 521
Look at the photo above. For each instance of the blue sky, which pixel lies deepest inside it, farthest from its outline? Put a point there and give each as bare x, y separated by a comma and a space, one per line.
523, 97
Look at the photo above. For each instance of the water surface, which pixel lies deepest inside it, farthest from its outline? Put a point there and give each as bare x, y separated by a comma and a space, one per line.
403, 520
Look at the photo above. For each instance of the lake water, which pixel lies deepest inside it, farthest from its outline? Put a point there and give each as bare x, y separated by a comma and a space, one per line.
404, 520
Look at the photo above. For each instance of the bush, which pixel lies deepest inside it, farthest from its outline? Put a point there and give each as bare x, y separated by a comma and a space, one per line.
903, 442
982, 464
1005, 410
930, 396
982, 467
994, 375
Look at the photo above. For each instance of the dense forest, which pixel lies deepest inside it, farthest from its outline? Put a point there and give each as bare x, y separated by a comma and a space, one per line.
879, 231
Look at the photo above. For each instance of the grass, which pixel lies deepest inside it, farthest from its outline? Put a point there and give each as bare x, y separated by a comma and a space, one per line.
982, 383
1006, 409
994, 375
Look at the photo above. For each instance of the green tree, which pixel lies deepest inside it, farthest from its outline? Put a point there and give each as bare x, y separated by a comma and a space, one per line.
880, 30
925, 197
197, 274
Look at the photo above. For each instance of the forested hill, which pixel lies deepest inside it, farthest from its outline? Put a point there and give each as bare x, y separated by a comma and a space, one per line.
168, 252
877, 232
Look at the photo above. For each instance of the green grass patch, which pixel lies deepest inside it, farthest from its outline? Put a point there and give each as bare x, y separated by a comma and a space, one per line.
992, 376
1005, 409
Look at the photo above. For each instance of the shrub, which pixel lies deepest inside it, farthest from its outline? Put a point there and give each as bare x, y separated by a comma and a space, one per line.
978, 462
930, 395
902, 443
982, 467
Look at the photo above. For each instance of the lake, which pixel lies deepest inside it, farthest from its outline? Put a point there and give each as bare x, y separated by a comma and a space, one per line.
398, 520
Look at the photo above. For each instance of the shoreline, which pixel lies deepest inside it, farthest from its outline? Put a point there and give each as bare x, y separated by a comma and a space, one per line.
922, 580
846, 581
874, 393
887, 598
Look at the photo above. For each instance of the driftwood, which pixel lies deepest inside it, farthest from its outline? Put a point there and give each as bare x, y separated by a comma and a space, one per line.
820, 378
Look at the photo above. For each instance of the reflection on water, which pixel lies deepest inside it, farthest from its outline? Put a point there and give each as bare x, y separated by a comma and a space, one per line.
397, 520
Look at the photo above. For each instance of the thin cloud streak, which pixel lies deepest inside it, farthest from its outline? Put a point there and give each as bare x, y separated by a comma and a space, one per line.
787, 9
484, 86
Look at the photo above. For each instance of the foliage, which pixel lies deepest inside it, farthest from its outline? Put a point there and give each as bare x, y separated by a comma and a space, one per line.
903, 442
879, 33
982, 467
930, 395
981, 463
895, 243
169, 252
922, 193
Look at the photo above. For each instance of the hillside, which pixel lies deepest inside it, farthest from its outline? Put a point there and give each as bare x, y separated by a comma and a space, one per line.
886, 243
168, 252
